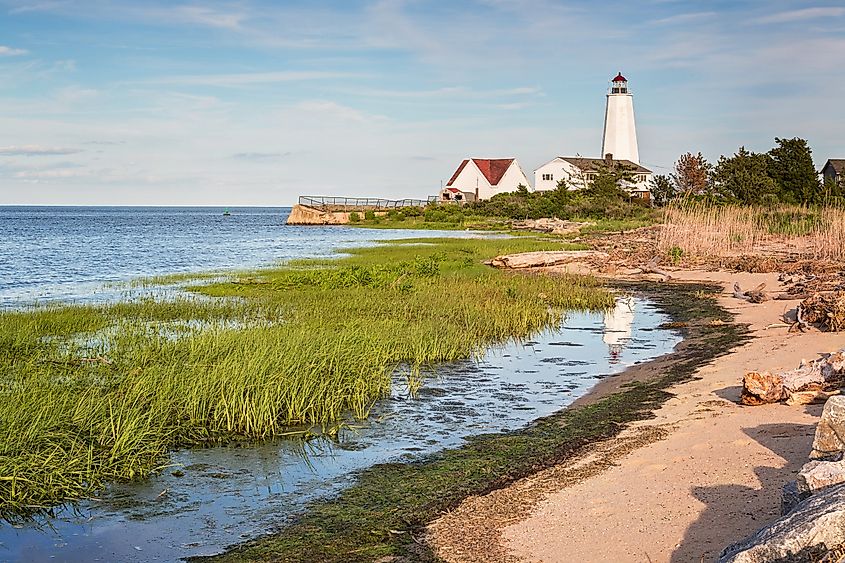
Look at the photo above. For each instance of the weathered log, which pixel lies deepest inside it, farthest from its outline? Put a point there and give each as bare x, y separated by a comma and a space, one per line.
810, 397
813, 381
545, 259
651, 268
756, 295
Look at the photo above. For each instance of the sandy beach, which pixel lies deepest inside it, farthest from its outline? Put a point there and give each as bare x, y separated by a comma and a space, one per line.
703, 473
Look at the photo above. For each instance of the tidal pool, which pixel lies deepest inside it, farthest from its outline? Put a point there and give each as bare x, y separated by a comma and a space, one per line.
212, 498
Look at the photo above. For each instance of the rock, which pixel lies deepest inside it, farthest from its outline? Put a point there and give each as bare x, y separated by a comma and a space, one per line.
545, 259
761, 388
790, 497
816, 525
830, 431
817, 475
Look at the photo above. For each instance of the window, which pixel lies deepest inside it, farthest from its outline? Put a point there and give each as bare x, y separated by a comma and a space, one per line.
548, 177
640, 178
591, 176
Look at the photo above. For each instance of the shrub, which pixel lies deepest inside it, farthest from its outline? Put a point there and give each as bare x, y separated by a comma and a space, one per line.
369, 215
354, 217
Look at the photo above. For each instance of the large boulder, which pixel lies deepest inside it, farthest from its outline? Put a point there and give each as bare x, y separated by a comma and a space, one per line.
818, 475
816, 525
829, 441
790, 497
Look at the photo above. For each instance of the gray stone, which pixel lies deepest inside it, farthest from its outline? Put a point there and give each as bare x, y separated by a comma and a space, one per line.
790, 497
816, 524
817, 475
830, 432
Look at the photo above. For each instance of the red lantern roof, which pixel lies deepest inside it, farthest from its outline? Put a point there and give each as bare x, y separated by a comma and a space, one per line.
620, 78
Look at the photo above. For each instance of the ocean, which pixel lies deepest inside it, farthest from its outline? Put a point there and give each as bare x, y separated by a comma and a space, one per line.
79, 254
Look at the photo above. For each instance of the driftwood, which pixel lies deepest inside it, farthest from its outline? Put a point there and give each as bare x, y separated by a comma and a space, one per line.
550, 226
651, 268
756, 295
545, 259
791, 297
811, 382
824, 310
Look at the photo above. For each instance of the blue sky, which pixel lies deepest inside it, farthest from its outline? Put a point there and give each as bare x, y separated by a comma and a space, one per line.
253, 103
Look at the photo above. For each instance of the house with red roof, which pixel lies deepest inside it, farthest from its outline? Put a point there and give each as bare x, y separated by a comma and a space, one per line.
477, 179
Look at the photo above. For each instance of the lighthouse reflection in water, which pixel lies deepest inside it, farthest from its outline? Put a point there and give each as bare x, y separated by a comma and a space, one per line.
617, 327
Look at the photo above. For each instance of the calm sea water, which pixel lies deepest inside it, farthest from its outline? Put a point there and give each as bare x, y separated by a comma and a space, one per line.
71, 253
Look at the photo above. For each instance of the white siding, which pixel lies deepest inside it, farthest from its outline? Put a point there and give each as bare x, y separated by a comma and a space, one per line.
514, 176
576, 178
471, 177
559, 169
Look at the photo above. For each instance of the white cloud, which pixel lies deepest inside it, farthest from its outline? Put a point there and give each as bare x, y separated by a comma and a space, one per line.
206, 16
36, 150
803, 14
11, 51
337, 111
684, 18
261, 155
52, 174
248, 78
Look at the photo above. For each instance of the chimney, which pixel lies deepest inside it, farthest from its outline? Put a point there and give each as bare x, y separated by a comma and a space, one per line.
608, 159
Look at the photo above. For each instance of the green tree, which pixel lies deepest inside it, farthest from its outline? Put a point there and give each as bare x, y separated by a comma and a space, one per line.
662, 190
522, 190
792, 169
608, 181
745, 177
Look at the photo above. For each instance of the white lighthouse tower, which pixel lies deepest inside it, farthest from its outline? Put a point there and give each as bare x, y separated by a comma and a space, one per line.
620, 133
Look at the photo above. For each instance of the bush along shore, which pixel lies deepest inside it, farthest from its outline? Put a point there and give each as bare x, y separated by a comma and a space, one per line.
100, 393
383, 516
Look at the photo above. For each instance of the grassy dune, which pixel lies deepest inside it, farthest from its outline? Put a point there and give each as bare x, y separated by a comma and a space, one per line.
99, 393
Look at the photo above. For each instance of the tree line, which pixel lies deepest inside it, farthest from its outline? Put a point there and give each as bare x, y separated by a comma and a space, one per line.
785, 174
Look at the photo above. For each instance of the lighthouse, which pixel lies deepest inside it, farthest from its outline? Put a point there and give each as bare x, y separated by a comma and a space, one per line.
620, 133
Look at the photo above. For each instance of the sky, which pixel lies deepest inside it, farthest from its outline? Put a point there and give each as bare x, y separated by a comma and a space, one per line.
251, 102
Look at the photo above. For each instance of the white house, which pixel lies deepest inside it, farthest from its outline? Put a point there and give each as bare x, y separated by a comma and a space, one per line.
482, 178
578, 172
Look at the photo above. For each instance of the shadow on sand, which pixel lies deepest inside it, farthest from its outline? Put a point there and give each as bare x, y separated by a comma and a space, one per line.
734, 512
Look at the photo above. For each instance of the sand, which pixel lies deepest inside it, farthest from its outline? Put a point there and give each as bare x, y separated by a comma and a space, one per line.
704, 473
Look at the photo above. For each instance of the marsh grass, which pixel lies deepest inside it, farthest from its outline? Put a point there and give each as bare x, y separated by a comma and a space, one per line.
705, 230
99, 393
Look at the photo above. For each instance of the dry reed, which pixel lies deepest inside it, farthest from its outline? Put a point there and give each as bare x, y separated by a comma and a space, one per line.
700, 230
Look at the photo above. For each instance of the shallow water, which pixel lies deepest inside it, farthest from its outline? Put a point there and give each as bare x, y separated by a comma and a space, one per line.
229, 494
74, 253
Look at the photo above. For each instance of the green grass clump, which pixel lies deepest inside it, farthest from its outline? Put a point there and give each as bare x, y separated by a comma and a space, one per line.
383, 515
99, 393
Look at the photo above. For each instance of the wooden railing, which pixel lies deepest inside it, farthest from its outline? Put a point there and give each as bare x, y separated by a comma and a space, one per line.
327, 203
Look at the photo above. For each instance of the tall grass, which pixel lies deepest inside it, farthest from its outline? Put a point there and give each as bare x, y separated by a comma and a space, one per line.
98, 393
704, 230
